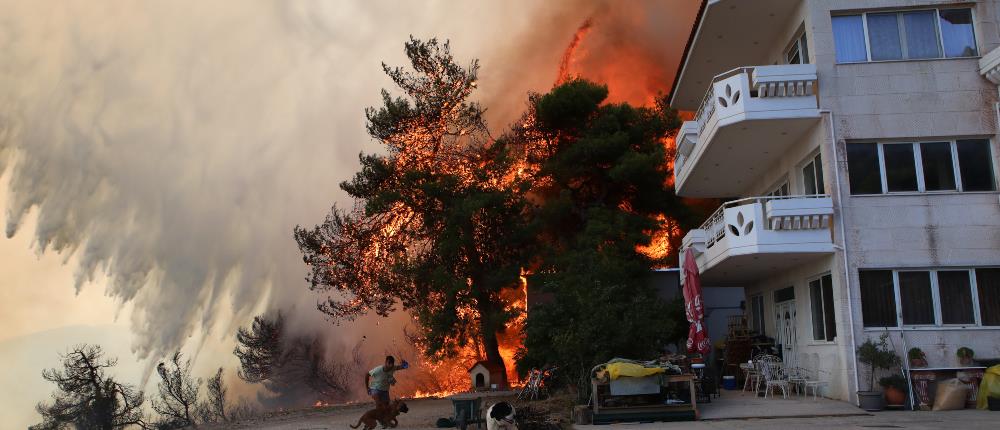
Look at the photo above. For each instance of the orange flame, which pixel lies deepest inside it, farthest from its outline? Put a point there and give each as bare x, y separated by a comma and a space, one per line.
569, 54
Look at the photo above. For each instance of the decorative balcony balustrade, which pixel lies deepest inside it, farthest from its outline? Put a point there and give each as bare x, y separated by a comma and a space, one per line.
763, 225
733, 113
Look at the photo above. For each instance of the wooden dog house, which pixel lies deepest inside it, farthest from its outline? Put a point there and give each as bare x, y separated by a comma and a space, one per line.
484, 375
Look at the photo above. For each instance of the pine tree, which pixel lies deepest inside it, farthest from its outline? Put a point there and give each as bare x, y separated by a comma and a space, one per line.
436, 223
603, 185
87, 397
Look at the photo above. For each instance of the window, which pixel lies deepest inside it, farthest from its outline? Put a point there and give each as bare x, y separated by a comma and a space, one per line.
878, 301
930, 297
956, 32
915, 34
849, 39
863, 168
976, 165
779, 191
988, 284
939, 169
962, 165
756, 319
900, 170
798, 52
916, 298
955, 290
812, 177
823, 317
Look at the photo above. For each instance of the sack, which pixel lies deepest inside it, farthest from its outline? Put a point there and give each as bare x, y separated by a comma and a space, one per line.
951, 394
988, 387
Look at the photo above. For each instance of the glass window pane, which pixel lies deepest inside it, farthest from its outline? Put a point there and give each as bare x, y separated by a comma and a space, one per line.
818, 165
804, 48
976, 165
957, 34
900, 167
829, 317
915, 298
816, 300
939, 172
849, 39
988, 284
955, 291
862, 168
809, 179
878, 301
883, 36
921, 34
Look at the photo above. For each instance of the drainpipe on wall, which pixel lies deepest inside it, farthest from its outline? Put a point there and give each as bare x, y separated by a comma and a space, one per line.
843, 248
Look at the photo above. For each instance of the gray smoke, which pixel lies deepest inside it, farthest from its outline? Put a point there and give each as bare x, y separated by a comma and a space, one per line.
173, 145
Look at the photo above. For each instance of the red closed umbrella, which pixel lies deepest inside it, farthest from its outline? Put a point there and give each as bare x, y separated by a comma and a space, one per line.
693, 308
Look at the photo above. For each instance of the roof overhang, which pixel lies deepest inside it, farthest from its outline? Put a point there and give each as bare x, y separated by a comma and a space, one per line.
728, 34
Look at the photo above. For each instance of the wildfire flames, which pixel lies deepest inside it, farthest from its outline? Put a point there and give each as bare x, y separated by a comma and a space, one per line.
633, 74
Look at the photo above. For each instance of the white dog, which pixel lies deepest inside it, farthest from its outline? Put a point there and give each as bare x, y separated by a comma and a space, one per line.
500, 416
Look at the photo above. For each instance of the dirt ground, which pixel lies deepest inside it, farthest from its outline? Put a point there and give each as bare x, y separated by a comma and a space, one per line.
423, 414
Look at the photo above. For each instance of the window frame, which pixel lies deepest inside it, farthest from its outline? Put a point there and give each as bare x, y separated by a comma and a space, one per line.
758, 318
799, 43
819, 178
919, 166
780, 188
901, 28
938, 324
822, 302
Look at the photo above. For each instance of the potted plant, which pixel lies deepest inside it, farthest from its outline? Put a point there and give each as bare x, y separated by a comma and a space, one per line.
894, 389
917, 357
876, 355
965, 356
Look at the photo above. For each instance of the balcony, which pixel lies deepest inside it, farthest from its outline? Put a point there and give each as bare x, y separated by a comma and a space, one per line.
989, 66
746, 121
748, 239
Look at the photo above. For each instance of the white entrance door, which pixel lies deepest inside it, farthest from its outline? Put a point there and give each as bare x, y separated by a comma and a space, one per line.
784, 323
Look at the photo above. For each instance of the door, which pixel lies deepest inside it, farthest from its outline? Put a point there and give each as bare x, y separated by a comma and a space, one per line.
784, 323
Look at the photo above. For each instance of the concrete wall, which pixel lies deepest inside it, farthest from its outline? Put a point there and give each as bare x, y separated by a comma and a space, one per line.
901, 100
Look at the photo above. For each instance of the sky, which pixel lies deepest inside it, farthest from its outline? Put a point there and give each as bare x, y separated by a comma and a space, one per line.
155, 155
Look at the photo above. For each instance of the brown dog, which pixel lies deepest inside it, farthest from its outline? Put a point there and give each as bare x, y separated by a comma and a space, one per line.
386, 416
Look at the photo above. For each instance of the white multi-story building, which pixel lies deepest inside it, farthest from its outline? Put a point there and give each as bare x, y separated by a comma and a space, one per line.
855, 143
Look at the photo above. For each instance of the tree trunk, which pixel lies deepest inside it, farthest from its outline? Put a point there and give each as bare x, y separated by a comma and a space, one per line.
492, 348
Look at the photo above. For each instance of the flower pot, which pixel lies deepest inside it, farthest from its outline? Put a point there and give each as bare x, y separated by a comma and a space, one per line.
918, 362
894, 396
871, 401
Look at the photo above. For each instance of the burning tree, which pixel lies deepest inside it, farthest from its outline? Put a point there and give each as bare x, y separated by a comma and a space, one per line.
87, 398
295, 368
603, 187
436, 221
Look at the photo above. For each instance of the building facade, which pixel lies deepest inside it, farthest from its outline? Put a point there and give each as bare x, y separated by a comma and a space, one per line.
855, 144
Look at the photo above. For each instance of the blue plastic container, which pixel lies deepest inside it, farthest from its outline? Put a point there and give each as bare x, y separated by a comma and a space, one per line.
729, 382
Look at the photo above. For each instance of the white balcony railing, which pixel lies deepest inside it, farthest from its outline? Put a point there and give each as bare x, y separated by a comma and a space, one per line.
746, 94
757, 225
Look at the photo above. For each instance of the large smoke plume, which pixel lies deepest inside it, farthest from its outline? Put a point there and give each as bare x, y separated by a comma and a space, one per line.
173, 145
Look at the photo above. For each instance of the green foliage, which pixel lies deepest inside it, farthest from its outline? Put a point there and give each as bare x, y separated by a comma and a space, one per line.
601, 188
965, 352
437, 225
896, 381
877, 356
915, 353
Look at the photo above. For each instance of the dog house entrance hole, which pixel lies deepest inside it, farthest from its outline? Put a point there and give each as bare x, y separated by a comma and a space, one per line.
480, 380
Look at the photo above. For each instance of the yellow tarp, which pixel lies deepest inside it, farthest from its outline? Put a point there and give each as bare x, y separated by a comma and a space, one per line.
617, 370
990, 386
